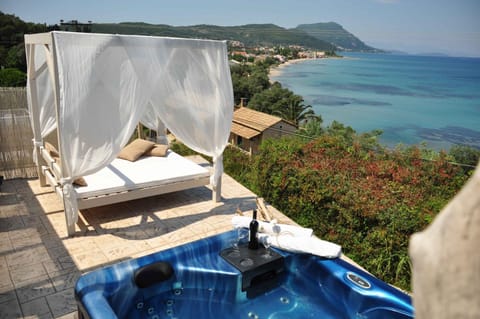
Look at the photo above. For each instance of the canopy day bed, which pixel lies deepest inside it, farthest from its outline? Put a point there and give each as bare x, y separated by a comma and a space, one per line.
89, 91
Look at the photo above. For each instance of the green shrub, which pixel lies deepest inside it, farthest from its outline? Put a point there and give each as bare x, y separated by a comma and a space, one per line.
12, 77
465, 155
238, 165
182, 149
368, 202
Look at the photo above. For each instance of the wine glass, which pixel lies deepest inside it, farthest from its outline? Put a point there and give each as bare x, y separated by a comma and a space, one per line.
242, 235
266, 243
235, 250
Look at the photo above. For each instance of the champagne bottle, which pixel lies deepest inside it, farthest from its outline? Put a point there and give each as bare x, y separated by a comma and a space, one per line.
253, 227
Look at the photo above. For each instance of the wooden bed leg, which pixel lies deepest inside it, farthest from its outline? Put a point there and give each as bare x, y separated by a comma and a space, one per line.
69, 223
217, 191
71, 230
41, 178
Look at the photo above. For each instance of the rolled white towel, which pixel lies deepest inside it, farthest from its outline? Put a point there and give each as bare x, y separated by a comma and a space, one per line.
310, 245
272, 228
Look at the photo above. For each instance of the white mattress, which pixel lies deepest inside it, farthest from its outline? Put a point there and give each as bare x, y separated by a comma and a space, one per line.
122, 175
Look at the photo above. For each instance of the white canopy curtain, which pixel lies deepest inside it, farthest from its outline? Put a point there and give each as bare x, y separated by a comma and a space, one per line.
106, 84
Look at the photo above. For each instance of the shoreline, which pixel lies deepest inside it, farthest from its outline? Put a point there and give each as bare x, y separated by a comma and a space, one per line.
277, 70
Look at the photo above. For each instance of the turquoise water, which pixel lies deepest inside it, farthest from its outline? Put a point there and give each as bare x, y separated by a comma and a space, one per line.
413, 99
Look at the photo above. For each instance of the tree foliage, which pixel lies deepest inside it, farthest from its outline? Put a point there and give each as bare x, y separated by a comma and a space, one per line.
12, 77
12, 31
281, 102
312, 128
248, 80
295, 111
251, 82
465, 155
13, 64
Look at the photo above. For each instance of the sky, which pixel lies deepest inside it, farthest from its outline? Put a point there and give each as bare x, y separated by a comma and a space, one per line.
415, 26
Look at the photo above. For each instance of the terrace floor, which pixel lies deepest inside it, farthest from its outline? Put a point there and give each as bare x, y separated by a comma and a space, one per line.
39, 263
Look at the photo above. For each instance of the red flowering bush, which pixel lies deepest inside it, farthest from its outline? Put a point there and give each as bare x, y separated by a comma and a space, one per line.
369, 202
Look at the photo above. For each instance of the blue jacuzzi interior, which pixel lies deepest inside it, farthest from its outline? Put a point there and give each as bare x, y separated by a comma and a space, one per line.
203, 284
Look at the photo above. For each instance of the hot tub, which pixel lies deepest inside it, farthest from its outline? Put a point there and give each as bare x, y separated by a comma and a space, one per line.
197, 280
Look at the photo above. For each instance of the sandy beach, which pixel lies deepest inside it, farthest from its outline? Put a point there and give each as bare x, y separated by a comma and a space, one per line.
277, 70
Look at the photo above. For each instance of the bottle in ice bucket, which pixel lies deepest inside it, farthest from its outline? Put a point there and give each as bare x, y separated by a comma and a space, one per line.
253, 240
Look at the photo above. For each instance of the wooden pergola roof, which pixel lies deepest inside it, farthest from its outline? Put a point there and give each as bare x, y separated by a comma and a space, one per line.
249, 123
244, 131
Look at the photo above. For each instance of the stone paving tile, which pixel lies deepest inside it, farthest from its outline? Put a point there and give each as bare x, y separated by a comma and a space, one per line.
50, 203
52, 266
3, 264
34, 288
9, 202
65, 279
37, 308
90, 259
157, 242
10, 309
58, 252
80, 243
10, 223
25, 238
7, 293
57, 222
24, 273
155, 230
201, 228
62, 303
130, 233
5, 243
51, 240
36, 223
59, 264
72, 315
66, 262
123, 252
27, 256
175, 235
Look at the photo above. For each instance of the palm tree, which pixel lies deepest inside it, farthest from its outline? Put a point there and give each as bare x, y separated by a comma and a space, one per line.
312, 127
296, 111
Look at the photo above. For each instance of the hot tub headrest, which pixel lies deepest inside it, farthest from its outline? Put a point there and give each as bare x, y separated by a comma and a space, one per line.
152, 274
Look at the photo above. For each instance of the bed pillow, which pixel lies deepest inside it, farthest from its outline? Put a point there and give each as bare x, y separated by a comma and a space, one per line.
51, 150
134, 150
80, 181
158, 150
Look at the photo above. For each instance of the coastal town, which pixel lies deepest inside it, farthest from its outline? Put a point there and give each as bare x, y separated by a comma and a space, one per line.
240, 53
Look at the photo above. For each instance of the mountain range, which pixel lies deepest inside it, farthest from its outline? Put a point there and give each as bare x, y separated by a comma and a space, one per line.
319, 36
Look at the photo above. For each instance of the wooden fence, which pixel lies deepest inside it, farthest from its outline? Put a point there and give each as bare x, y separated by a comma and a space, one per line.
13, 98
16, 147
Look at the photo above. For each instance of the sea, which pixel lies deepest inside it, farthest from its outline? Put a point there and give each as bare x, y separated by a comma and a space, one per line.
425, 100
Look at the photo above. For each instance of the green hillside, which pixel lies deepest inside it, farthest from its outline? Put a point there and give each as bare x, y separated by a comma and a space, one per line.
334, 33
251, 34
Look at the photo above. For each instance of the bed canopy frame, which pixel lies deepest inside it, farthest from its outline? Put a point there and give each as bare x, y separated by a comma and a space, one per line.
91, 91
